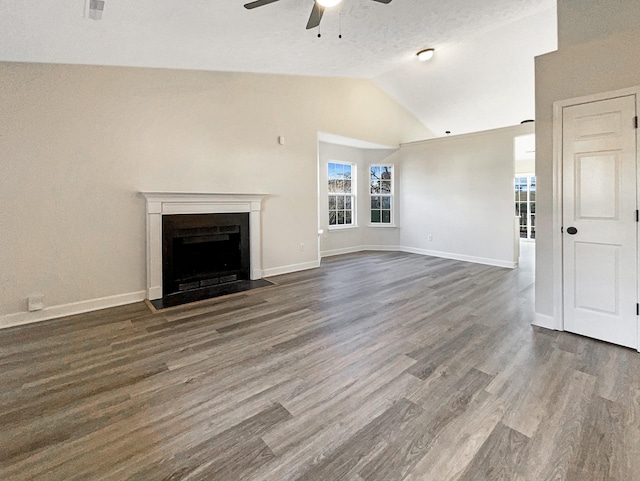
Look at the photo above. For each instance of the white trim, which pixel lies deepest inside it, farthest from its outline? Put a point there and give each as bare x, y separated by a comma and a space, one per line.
168, 203
63, 310
423, 252
339, 227
558, 106
353, 194
354, 249
558, 282
330, 138
461, 257
277, 271
521, 129
339, 252
546, 322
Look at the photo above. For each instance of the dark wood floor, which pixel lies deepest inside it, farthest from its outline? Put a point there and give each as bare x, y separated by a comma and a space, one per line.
377, 366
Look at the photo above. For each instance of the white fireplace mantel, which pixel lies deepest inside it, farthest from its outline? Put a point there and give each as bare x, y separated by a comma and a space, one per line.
169, 203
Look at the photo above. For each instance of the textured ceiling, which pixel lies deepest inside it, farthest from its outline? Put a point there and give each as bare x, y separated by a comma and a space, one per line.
379, 41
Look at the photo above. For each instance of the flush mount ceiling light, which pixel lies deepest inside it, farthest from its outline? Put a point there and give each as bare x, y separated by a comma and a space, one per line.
328, 3
426, 54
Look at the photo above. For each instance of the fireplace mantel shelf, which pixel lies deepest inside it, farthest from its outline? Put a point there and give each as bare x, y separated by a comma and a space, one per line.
170, 203
200, 196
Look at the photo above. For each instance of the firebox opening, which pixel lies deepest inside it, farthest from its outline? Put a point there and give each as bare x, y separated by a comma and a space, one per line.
201, 251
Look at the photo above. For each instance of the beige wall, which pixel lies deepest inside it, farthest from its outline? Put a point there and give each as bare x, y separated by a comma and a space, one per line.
459, 190
78, 143
598, 52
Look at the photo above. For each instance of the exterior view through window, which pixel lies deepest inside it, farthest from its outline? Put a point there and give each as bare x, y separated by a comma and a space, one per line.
341, 178
381, 191
525, 190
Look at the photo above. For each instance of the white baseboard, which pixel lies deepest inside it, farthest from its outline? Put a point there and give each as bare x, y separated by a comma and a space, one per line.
352, 250
339, 252
424, 252
277, 271
64, 310
460, 257
546, 322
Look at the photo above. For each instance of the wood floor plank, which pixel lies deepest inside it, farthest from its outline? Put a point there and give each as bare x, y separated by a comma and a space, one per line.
500, 458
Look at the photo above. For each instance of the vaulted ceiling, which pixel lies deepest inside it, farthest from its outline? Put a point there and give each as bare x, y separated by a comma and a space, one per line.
481, 76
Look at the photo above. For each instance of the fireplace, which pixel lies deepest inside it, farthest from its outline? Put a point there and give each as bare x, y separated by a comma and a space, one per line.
202, 245
203, 250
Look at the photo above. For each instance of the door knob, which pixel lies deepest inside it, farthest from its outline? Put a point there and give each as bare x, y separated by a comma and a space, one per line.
572, 230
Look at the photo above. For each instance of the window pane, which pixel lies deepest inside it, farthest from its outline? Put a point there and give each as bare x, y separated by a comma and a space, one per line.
347, 186
332, 202
347, 172
386, 216
340, 203
532, 207
339, 185
523, 208
339, 170
340, 217
375, 173
533, 226
386, 202
375, 187
386, 173
332, 217
332, 186
375, 202
375, 216
347, 202
385, 187
347, 217
332, 171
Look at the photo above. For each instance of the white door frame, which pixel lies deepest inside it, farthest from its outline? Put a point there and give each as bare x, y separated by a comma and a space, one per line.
558, 106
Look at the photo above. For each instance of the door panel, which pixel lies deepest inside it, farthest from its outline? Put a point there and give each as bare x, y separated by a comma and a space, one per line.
599, 201
596, 277
598, 195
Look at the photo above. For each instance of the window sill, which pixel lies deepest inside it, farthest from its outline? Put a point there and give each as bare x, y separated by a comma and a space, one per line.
384, 226
341, 227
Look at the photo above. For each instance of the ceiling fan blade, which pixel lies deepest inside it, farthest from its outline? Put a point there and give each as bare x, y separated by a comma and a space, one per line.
258, 3
382, 1
316, 16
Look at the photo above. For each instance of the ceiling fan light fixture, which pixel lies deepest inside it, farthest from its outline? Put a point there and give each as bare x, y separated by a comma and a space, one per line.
426, 54
328, 3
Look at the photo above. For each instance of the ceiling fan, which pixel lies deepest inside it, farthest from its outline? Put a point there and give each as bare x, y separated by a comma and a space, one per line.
316, 13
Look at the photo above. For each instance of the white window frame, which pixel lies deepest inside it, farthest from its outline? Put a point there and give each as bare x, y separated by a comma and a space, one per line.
352, 194
390, 195
528, 202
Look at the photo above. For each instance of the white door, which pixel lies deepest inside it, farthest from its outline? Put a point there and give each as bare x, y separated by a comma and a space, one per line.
599, 220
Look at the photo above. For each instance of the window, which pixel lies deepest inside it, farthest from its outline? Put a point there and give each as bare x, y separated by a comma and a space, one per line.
381, 191
342, 201
525, 189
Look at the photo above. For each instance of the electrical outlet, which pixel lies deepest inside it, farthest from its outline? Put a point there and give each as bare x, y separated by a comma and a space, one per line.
429, 237
301, 247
